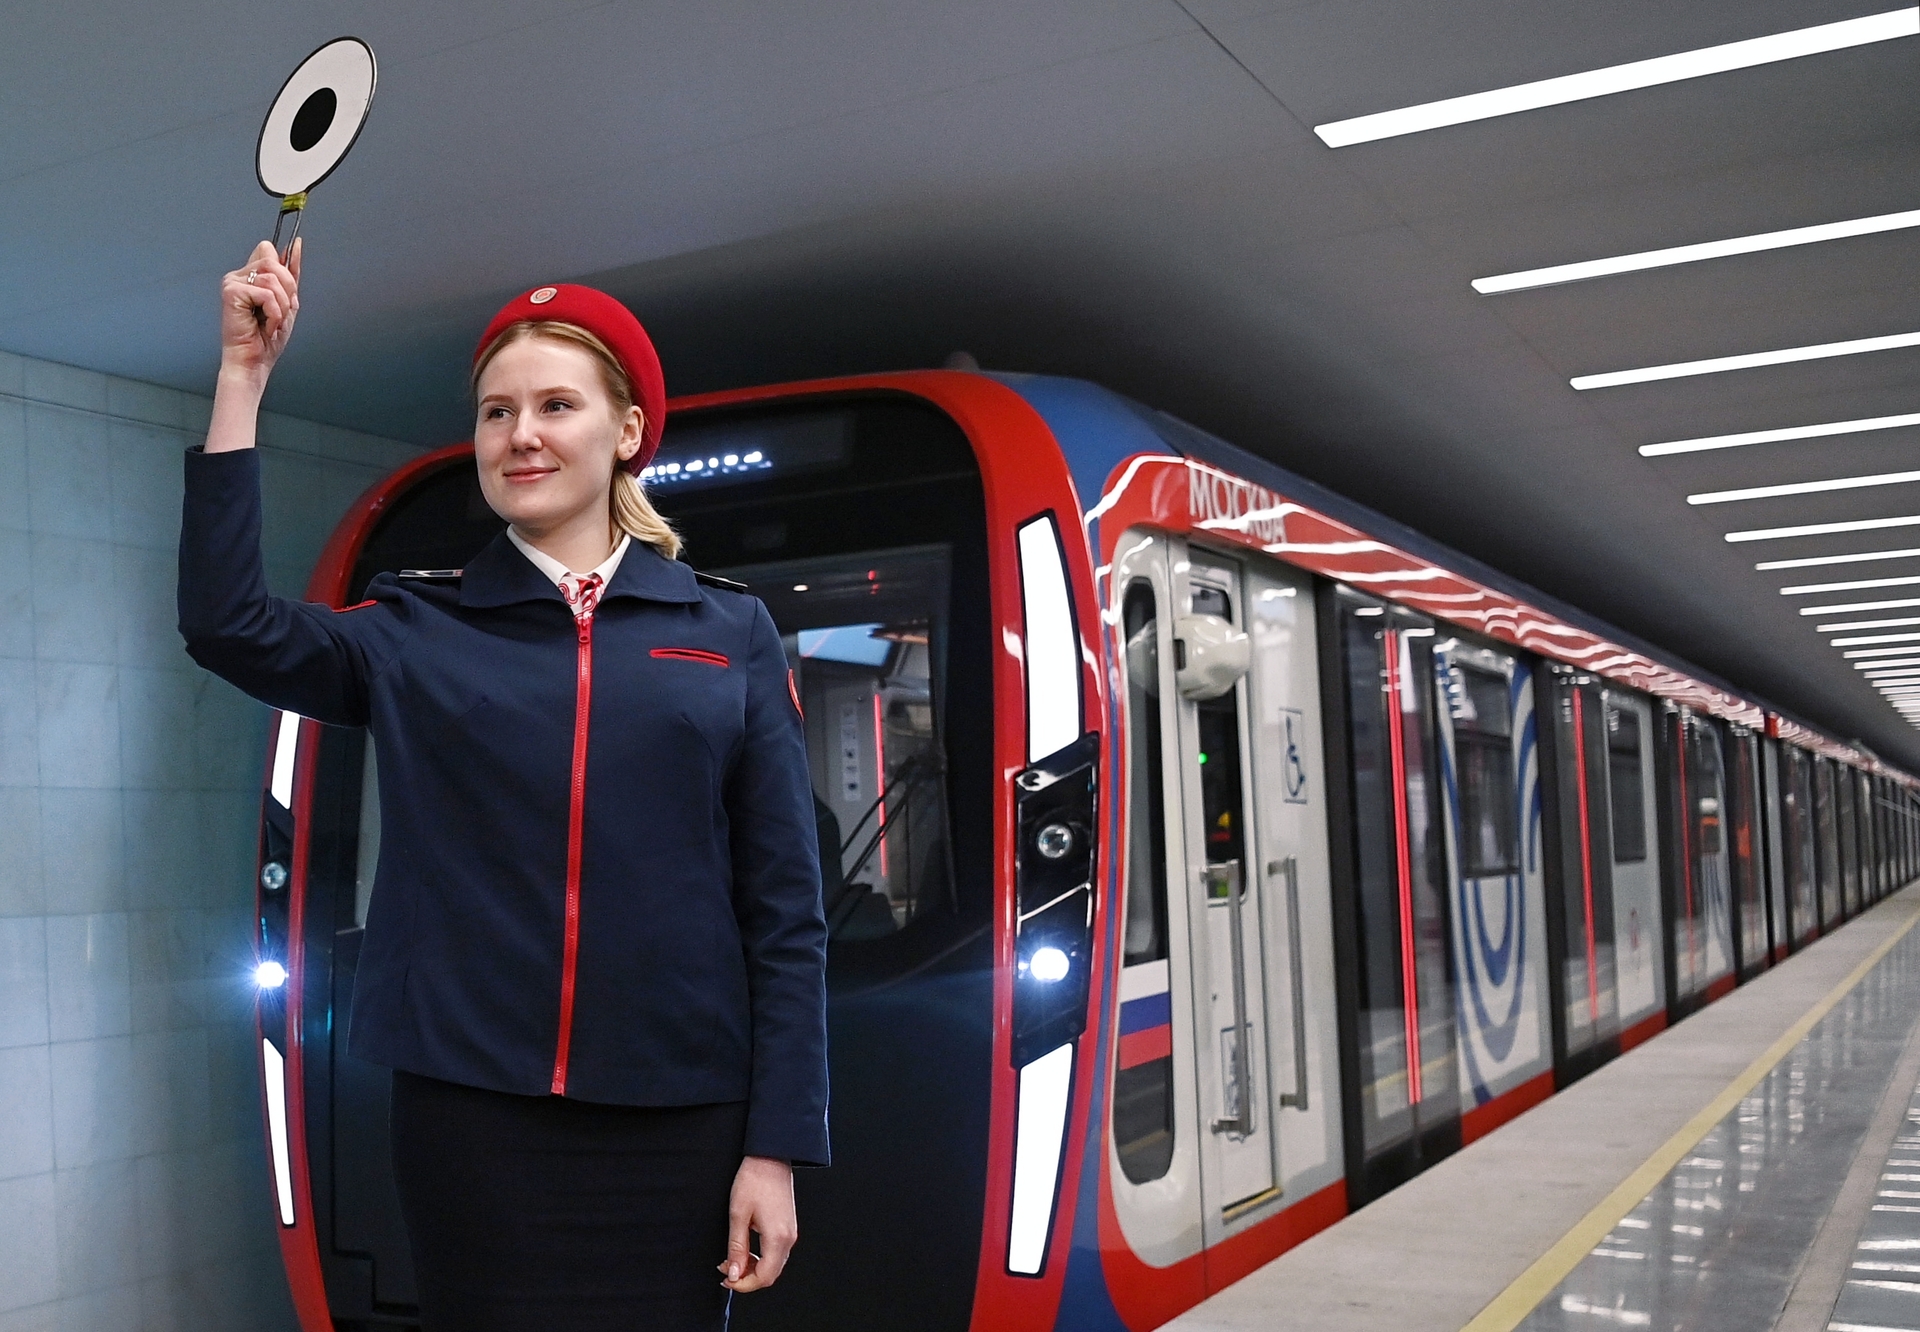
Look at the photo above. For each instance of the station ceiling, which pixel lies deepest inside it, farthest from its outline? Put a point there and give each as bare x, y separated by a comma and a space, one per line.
1129, 191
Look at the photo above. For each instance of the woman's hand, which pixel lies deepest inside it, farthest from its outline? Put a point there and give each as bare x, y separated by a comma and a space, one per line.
258, 304
763, 1203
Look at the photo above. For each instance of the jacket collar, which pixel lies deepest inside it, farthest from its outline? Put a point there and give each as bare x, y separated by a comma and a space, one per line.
501, 576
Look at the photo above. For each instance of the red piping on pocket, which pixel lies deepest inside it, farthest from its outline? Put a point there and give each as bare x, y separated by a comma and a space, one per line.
793, 692
692, 654
342, 610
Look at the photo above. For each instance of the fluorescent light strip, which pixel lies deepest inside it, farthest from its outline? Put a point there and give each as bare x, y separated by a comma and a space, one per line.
1861, 558
1560, 274
1846, 607
1621, 78
1905, 673
1862, 640
1717, 365
1799, 588
1864, 624
1876, 652
1876, 665
1824, 529
1804, 488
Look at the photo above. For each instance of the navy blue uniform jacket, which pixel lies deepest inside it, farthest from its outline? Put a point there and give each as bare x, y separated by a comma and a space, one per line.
699, 967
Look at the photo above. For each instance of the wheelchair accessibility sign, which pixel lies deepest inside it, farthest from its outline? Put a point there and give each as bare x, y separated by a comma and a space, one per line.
1293, 759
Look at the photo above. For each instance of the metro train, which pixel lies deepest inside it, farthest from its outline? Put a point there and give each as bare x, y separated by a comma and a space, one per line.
1204, 854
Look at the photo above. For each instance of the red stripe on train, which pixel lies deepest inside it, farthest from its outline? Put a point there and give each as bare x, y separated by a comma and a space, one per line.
1141, 1047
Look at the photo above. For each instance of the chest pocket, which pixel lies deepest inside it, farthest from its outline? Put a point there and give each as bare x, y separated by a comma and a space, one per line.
700, 655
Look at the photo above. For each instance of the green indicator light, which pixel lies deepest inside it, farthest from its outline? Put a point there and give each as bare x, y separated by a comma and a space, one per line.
1203, 758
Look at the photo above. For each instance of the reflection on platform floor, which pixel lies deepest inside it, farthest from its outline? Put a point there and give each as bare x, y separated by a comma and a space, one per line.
1882, 1293
1716, 1245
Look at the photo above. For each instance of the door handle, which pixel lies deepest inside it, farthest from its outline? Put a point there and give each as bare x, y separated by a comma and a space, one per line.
1227, 874
1297, 1098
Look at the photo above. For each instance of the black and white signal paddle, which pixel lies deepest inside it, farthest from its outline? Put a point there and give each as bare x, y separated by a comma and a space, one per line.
312, 125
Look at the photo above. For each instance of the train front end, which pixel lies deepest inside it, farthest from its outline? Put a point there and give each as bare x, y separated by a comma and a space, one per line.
917, 540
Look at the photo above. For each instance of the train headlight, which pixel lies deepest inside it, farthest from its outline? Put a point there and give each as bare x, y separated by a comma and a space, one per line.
273, 876
269, 975
1048, 964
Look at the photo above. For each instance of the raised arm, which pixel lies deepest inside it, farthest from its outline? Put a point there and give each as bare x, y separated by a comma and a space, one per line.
289, 654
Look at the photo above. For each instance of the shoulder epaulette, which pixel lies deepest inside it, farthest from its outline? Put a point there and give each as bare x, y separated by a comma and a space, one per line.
715, 580
432, 575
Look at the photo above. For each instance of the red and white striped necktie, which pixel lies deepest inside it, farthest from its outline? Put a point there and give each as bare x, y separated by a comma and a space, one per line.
582, 594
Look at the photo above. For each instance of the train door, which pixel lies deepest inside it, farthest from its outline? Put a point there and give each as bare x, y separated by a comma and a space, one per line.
1801, 845
1826, 840
1779, 878
1290, 810
1846, 811
1745, 852
1702, 943
1154, 1153
1496, 873
1633, 865
1588, 993
1398, 1030
1228, 899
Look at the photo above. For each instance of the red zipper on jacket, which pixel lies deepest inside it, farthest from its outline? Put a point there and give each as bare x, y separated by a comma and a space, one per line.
576, 827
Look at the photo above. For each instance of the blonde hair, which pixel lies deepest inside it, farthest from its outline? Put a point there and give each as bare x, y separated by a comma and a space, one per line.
628, 508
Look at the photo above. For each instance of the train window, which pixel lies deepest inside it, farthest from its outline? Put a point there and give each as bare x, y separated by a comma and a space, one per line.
1483, 749
865, 534
1146, 820
1623, 786
860, 633
1143, 1079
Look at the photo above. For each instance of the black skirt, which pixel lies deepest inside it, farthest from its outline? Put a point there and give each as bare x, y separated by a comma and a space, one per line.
536, 1212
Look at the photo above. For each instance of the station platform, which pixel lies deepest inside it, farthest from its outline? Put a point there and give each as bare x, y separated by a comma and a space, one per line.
1756, 1166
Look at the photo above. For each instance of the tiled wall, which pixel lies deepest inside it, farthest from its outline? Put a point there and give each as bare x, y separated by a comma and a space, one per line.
133, 1188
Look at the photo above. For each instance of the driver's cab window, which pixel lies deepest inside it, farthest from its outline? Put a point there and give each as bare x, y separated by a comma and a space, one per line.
865, 636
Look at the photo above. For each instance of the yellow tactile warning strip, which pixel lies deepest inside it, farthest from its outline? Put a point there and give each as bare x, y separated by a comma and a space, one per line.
1512, 1305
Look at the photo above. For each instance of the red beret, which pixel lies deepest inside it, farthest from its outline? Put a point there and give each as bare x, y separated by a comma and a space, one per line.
611, 322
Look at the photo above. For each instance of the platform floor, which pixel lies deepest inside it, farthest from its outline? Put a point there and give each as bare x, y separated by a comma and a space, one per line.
1755, 1167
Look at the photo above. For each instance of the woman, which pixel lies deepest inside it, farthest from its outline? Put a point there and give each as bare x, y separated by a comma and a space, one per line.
595, 955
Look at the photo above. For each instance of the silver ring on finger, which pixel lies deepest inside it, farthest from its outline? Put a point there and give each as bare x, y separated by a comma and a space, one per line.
251, 276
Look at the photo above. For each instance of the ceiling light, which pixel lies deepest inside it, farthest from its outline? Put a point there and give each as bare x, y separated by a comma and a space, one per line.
1559, 274
1863, 639
1904, 603
1876, 652
1860, 606
1875, 665
1715, 365
1898, 673
1864, 624
1621, 78
1804, 488
1854, 586
1824, 529
1859, 558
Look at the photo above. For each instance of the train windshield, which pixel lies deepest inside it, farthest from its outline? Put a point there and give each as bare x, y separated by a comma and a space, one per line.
861, 524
